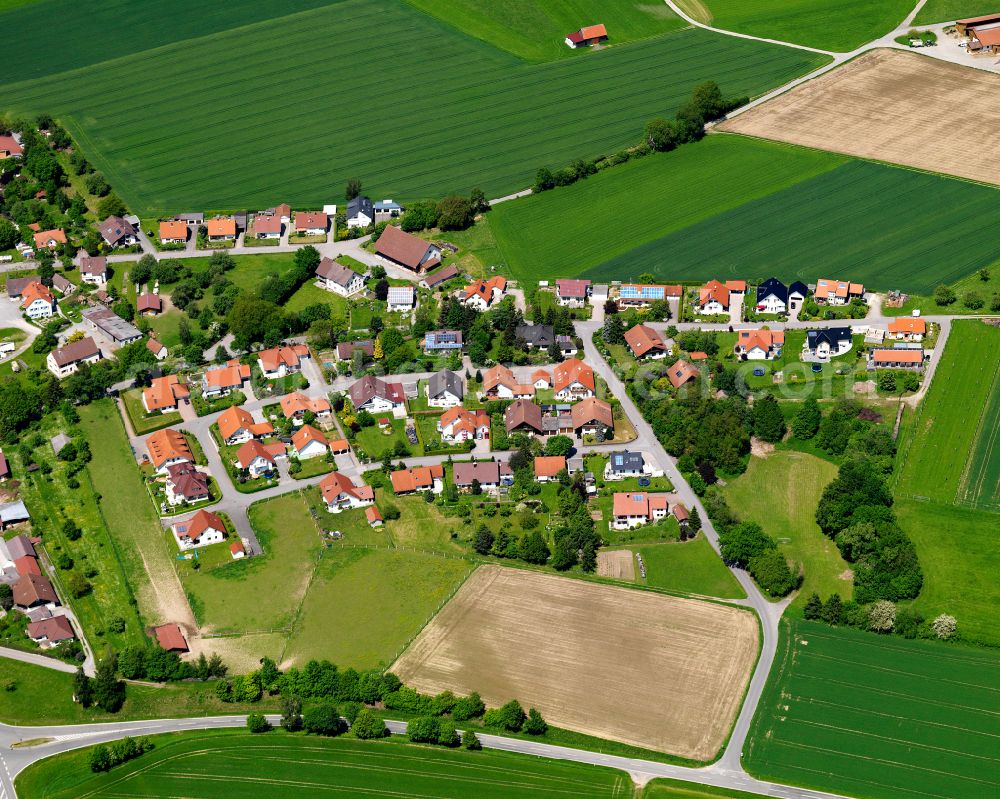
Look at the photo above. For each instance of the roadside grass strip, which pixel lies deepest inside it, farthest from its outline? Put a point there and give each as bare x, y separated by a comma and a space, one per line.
854, 713
469, 116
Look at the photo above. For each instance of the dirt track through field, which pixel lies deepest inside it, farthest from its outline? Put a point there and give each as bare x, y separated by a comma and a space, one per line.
618, 563
892, 106
642, 668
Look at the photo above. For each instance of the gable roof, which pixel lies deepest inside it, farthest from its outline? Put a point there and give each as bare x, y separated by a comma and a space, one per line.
714, 290
173, 229
418, 478
252, 450
203, 520
681, 372
521, 412
398, 245
484, 288
772, 286
54, 629
34, 588
297, 402
592, 410
360, 205
346, 349
798, 287
221, 226
459, 418
20, 546
149, 302
369, 387
167, 444
187, 481
400, 295
154, 346
437, 278
571, 371
267, 223
231, 375
235, 418
500, 375
572, 289
535, 335
114, 229
271, 360
329, 269
42, 239
898, 355
736, 285
908, 324
829, 335
75, 352
764, 339
170, 637
308, 220
642, 339
164, 392
486, 472
626, 461
336, 483
443, 381
35, 291
307, 434
549, 465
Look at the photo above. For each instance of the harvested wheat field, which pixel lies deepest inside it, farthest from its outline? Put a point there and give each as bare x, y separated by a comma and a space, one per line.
892, 106
618, 563
645, 669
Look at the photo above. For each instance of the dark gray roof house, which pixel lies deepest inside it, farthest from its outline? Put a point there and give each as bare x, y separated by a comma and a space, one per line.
536, 336
772, 286
445, 381
625, 463
799, 288
360, 207
831, 336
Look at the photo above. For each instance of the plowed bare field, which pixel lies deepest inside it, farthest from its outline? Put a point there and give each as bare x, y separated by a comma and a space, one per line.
892, 106
645, 669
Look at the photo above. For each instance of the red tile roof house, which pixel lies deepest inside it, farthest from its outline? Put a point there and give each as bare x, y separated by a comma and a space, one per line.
221, 229
148, 304
184, 483
94, 270
541, 379
237, 426
296, 405
420, 478
280, 361
713, 299
376, 396
37, 301
32, 591
49, 632
267, 226
10, 147
308, 442
200, 530
547, 467
458, 424
482, 294
49, 239
573, 293
167, 447
837, 292
634, 510
907, 328
587, 37
759, 345
171, 638
256, 458
681, 373
490, 474
646, 342
157, 348
573, 379
311, 223
407, 250
225, 379
164, 394
173, 231
592, 416
499, 383
340, 493
897, 359
64, 361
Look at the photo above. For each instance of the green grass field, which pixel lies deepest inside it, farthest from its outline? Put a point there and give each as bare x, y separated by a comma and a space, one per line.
535, 31
882, 718
950, 10
224, 764
839, 26
692, 567
781, 493
466, 116
364, 605
779, 205
230, 597
951, 455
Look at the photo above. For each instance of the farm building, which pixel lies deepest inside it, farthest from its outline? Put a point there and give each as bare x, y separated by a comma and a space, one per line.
64, 361
112, 325
440, 277
171, 638
587, 37
407, 250
982, 32
149, 304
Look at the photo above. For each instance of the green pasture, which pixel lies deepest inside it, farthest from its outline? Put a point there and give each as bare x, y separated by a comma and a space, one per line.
573, 230
780, 493
535, 31
365, 605
950, 10
883, 718
226, 764
839, 26
959, 552
691, 567
924, 237
951, 454
467, 114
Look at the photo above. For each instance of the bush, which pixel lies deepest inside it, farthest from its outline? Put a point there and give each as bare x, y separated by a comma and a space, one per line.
323, 720
510, 717
973, 300
944, 626
770, 570
106, 757
367, 726
447, 734
256, 722
468, 707
471, 741
424, 729
535, 724
882, 616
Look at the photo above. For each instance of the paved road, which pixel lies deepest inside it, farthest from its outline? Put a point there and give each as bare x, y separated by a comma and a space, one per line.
68, 737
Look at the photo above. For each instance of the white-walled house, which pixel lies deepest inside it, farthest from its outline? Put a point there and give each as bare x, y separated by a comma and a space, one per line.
445, 390
772, 297
376, 396
338, 278
37, 301
200, 530
64, 361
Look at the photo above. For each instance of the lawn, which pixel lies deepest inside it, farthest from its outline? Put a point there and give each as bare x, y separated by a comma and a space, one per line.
535, 31
311, 294
365, 605
44, 696
129, 515
950, 10
373, 441
950, 456
781, 493
566, 232
691, 567
142, 422
959, 551
884, 718
229, 764
840, 26
896, 245
926, 304
229, 598
474, 121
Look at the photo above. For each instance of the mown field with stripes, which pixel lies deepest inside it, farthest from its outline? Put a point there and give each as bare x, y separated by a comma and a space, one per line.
237, 765
882, 718
290, 108
731, 207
